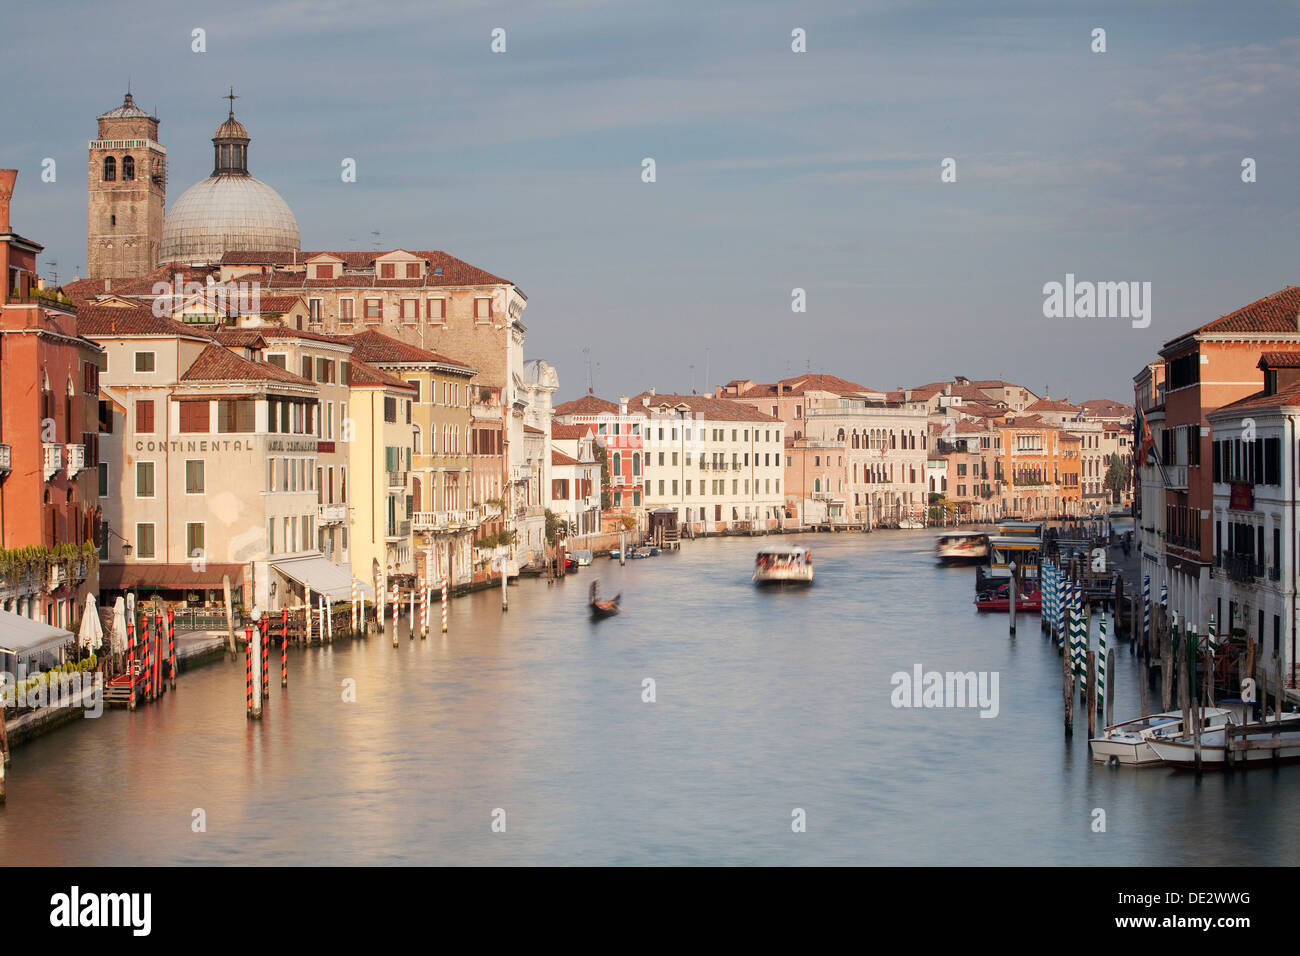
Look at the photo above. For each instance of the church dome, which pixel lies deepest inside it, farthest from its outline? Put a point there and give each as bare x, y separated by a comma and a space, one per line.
230, 211
227, 213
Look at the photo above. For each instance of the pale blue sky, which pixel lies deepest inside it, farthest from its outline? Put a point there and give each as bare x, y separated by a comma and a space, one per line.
775, 169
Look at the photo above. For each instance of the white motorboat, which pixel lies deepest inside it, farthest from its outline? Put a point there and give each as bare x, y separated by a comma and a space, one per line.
911, 524
1180, 751
1129, 743
961, 547
783, 566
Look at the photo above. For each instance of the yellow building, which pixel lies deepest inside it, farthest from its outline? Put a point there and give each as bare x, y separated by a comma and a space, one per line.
379, 434
443, 513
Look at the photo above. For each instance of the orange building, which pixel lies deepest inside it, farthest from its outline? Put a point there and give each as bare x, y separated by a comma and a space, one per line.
49, 430
1038, 465
1204, 370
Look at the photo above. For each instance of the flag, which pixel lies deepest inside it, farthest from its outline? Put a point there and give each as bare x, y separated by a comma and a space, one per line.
1144, 438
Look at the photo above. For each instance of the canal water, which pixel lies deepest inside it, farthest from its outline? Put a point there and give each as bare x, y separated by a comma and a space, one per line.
766, 702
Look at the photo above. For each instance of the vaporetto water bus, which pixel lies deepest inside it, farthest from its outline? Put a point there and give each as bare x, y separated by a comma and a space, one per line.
784, 566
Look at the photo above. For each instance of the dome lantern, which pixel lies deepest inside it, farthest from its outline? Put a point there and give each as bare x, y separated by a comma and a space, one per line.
230, 144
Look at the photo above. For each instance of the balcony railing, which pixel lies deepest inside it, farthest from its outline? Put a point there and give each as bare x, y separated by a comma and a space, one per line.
430, 521
521, 473
1242, 568
53, 458
1176, 476
76, 459
397, 479
4, 460
399, 529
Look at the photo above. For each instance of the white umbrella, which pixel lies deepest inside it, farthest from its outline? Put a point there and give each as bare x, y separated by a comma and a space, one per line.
117, 637
91, 636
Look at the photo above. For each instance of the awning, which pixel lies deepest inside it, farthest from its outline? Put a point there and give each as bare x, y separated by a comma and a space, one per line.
168, 577
323, 576
25, 637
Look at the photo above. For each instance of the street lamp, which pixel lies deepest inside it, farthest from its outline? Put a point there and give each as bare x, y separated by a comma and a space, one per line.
127, 549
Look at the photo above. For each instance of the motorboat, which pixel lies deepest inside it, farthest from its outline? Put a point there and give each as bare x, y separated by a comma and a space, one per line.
783, 566
911, 524
1179, 750
998, 598
962, 547
582, 557
1129, 743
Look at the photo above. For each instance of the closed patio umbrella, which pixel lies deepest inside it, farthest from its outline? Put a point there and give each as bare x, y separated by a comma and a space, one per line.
91, 635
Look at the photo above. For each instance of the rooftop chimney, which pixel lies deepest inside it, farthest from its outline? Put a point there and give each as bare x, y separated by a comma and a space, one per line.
622, 404
7, 177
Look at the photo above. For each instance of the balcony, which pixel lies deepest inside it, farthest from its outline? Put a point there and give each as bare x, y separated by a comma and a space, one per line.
521, 472
1176, 477
53, 458
4, 460
428, 522
397, 479
331, 514
399, 530
1242, 568
76, 460
484, 411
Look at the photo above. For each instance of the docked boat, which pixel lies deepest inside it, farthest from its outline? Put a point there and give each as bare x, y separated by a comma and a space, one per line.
962, 547
1028, 599
1180, 751
911, 524
583, 558
783, 566
1129, 743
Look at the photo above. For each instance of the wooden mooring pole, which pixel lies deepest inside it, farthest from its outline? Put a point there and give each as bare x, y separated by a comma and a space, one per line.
1091, 666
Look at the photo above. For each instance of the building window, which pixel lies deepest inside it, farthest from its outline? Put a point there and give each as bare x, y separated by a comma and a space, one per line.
345, 310
374, 309
144, 541
144, 361
435, 308
144, 479
110, 169
390, 410
388, 270
194, 475
144, 416
482, 308
128, 168
103, 479
410, 309
194, 540
194, 417
237, 415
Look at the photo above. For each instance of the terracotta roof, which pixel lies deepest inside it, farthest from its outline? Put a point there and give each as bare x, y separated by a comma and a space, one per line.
704, 406
276, 303
802, 384
455, 272
570, 432
533, 430
379, 349
587, 405
109, 320
560, 458
1279, 360
86, 290
237, 338
365, 375
1283, 398
1276, 313
1053, 405
1107, 407
216, 363
271, 332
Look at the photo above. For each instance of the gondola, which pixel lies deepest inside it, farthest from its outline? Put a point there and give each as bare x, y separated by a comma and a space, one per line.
601, 608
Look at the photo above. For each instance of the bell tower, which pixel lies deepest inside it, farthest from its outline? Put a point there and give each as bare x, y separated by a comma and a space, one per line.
127, 181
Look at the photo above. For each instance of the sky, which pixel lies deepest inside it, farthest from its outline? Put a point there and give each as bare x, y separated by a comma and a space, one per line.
774, 170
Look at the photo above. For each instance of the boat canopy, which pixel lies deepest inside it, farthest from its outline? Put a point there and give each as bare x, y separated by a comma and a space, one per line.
798, 551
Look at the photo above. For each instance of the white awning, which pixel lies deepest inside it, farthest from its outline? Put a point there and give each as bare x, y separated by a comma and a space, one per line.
323, 576
24, 637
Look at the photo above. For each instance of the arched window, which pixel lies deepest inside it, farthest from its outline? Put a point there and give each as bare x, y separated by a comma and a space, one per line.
110, 169
416, 443
840, 435
617, 470
817, 484
128, 167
